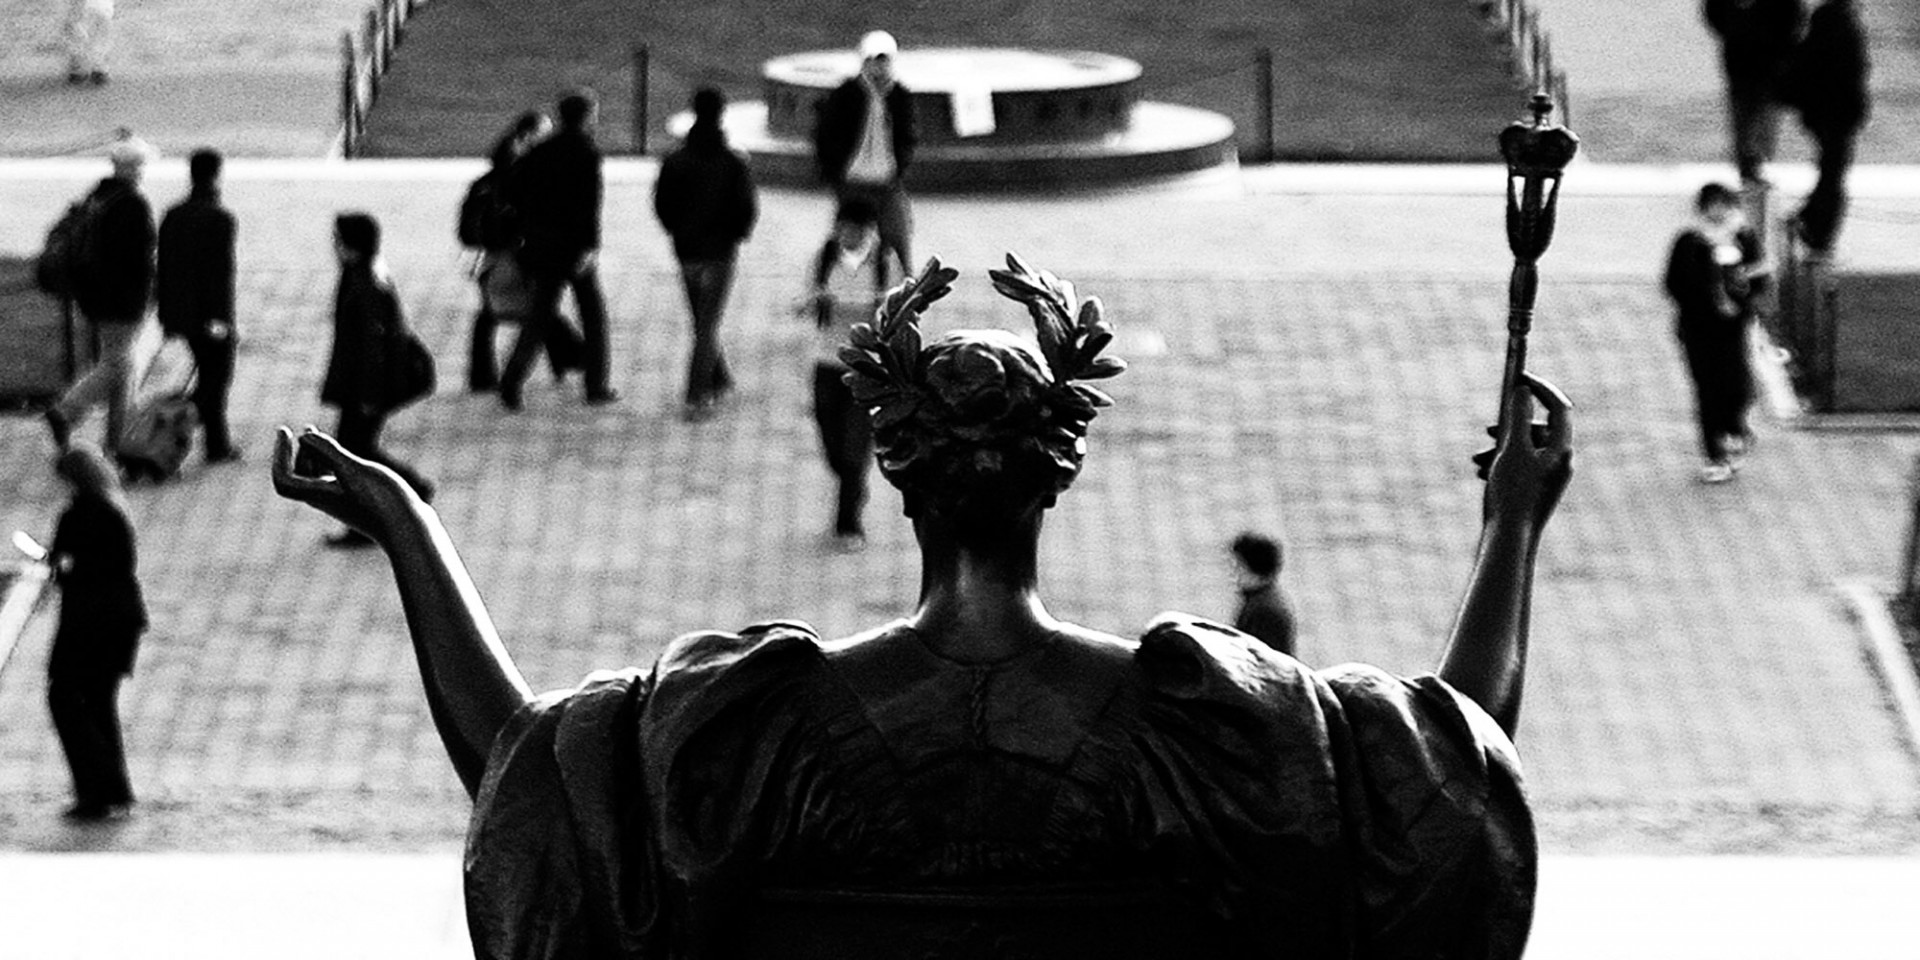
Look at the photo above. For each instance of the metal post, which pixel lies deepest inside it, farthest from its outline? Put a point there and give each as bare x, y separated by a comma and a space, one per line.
1910, 564
1263, 62
349, 96
640, 96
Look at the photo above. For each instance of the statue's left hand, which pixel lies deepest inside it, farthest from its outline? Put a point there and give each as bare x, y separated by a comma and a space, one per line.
1530, 465
316, 470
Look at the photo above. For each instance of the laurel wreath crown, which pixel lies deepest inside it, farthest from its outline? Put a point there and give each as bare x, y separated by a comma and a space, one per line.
884, 356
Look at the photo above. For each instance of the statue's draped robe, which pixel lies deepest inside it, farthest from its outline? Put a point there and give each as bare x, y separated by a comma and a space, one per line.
1335, 813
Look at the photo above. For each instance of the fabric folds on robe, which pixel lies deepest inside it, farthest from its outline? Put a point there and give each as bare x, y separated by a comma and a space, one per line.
1339, 813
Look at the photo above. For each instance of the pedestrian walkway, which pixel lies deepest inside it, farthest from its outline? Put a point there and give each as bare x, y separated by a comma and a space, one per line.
1315, 353
380, 906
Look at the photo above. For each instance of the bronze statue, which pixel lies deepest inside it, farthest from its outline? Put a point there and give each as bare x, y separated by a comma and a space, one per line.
980, 743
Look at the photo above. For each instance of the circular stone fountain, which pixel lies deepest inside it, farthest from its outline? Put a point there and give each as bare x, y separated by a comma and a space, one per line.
1057, 118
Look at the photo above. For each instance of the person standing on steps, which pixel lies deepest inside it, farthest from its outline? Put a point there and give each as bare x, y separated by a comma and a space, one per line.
556, 189
705, 198
194, 288
1756, 42
863, 141
89, 40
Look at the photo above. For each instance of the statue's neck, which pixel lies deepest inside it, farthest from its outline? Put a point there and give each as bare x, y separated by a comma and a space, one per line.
979, 596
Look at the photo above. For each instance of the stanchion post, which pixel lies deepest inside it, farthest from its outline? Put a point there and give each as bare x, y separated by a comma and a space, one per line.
1263, 68
349, 96
641, 66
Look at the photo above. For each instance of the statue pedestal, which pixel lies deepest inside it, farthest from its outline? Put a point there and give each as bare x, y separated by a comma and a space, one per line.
990, 118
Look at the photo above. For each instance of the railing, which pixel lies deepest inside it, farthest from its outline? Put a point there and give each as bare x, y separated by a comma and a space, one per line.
1532, 51
1807, 320
364, 61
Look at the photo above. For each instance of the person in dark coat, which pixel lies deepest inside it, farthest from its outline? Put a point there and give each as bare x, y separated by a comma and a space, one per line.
705, 198
864, 139
1714, 272
102, 615
366, 324
556, 190
195, 293
1827, 83
506, 295
1756, 43
112, 292
1265, 611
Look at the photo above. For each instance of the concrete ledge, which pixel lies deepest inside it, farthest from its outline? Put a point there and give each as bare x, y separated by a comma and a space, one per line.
1888, 654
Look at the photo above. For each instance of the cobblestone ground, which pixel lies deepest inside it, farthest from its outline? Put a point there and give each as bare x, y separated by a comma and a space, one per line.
1695, 685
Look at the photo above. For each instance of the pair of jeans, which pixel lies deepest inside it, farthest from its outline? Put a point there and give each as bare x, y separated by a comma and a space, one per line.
1722, 386
109, 381
213, 375
846, 437
1820, 214
85, 704
707, 283
545, 323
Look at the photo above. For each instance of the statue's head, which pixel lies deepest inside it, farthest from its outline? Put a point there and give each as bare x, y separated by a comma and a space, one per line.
979, 426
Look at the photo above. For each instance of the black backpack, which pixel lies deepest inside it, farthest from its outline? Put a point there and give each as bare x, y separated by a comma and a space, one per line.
67, 257
487, 220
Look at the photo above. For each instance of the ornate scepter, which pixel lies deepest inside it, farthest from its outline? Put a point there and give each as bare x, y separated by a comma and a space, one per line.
1537, 153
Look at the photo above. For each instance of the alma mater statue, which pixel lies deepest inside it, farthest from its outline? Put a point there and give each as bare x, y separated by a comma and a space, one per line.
980, 741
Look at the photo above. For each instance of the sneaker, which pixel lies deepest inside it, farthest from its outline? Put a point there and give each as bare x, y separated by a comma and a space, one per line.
97, 812
1716, 471
229, 455
600, 398
99, 78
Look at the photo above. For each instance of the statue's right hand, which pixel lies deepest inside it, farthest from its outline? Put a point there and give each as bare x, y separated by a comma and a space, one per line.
316, 470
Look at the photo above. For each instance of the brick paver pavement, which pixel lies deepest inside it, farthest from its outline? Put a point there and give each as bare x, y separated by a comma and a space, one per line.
1311, 359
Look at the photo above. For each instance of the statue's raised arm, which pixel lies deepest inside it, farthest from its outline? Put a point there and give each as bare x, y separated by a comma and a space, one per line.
472, 685
1526, 473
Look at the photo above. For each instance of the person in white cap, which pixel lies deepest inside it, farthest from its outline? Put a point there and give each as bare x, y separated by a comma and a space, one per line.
112, 288
89, 38
863, 142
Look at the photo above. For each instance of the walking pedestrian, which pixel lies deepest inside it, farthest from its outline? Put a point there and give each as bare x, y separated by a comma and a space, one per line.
1714, 273
102, 614
367, 323
850, 276
194, 289
706, 200
1266, 612
556, 190
1827, 83
490, 226
1756, 41
89, 40
864, 139
112, 291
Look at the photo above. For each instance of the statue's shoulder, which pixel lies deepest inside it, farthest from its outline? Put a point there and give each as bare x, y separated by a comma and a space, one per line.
1194, 657
708, 652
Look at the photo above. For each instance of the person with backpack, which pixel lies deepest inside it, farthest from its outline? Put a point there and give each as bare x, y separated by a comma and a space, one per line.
705, 198
557, 189
110, 265
490, 226
194, 289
